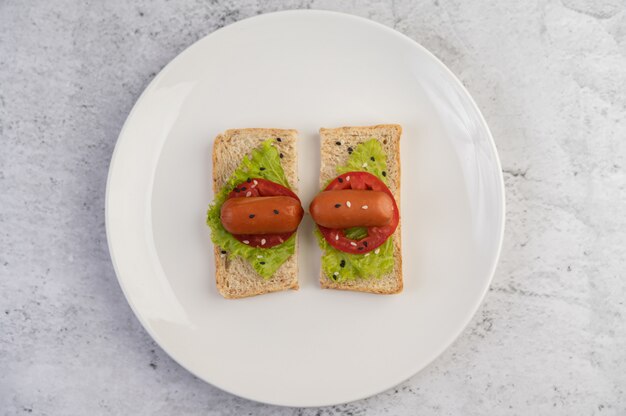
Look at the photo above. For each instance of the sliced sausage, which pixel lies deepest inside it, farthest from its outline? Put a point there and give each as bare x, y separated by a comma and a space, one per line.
261, 215
352, 208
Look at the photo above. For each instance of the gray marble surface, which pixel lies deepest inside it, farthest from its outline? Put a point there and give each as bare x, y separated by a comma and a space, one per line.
550, 78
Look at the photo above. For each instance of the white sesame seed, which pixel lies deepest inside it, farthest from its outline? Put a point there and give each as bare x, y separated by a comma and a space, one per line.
222, 255
364, 207
255, 182
364, 165
348, 178
259, 257
263, 241
352, 243
253, 186
245, 242
248, 193
348, 204
336, 274
367, 254
280, 239
336, 236
377, 251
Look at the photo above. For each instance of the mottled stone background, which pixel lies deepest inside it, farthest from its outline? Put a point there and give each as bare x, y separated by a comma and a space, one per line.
550, 78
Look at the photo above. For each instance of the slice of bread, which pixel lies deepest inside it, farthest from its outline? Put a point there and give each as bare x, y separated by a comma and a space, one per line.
334, 155
234, 276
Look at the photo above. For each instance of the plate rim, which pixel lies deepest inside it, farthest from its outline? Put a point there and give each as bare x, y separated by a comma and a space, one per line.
377, 25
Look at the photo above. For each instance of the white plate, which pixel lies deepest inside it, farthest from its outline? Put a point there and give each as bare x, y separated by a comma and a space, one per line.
304, 70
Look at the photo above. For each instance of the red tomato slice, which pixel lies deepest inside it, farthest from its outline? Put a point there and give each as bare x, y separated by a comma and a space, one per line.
376, 236
261, 187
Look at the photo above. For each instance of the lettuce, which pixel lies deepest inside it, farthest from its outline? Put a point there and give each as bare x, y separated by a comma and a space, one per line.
264, 162
369, 157
359, 266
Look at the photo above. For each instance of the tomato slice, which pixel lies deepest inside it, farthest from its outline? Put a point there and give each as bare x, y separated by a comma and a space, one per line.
261, 187
376, 236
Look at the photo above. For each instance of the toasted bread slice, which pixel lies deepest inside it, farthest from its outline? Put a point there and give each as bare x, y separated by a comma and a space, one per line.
334, 155
235, 277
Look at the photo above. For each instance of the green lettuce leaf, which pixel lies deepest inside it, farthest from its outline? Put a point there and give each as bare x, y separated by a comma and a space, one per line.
369, 157
355, 233
374, 264
265, 261
355, 266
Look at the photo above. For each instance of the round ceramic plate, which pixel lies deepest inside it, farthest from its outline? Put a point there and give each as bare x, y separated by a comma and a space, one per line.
304, 70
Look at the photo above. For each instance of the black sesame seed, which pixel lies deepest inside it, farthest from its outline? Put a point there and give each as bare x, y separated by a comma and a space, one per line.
365, 243
243, 188
276, 211
223, 251
342, 264
262, 263
251, 215
281, 155
372, 159
350, 150
340, 180
337, 205
384, 173
261, 168
278, 139
249, 180
338, 143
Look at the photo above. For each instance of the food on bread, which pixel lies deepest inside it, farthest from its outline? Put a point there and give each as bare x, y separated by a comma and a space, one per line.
254, 171
261, 215
352, 208
361, 257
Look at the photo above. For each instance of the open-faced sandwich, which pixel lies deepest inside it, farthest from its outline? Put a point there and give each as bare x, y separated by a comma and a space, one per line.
357, 213
255, 212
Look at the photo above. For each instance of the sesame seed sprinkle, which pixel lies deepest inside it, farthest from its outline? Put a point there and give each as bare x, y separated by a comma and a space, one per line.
263, 241
245, 242
352, 243
364, 165
348, 178
377, 251
259, 256
255, 182
364, 207
248, 193
336, 274
348, 204
367, 254
337, 205
337, 237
